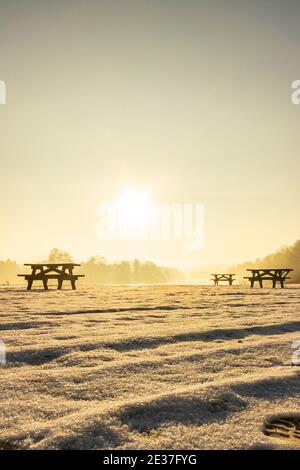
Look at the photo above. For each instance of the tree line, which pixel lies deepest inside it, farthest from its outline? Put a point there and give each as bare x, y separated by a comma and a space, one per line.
98, 270
286, 257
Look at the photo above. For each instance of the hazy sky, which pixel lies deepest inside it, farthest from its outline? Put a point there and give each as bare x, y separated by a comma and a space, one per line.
189, 99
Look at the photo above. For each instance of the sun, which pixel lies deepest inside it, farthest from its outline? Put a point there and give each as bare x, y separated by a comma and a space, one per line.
134, 206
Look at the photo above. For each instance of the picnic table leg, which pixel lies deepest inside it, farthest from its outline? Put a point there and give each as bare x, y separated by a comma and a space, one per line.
73, 282
261, 283
282, 283
61, 279
30, 281
252, 283
274, 283
45, 283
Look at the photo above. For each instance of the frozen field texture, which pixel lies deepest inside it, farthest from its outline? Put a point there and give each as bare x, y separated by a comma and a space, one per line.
150, 367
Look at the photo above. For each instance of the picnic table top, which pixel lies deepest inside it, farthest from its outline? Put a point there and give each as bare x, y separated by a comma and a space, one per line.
223, 274
51, 265
270, 269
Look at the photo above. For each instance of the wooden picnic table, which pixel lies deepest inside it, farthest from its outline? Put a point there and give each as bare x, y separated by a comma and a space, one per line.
274, 275
45, 271
223, 277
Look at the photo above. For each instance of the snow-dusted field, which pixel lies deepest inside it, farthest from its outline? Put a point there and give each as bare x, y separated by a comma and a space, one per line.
164, 367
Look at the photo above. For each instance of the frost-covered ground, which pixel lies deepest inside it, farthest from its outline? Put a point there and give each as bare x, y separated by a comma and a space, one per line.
132, 367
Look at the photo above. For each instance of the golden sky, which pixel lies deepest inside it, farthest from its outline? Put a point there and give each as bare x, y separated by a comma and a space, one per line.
189, 99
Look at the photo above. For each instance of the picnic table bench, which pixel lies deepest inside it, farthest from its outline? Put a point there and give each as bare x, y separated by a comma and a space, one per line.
223, 277
45, 271
274, 275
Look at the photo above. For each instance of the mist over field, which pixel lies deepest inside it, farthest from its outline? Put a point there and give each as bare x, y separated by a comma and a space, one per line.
98, 270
